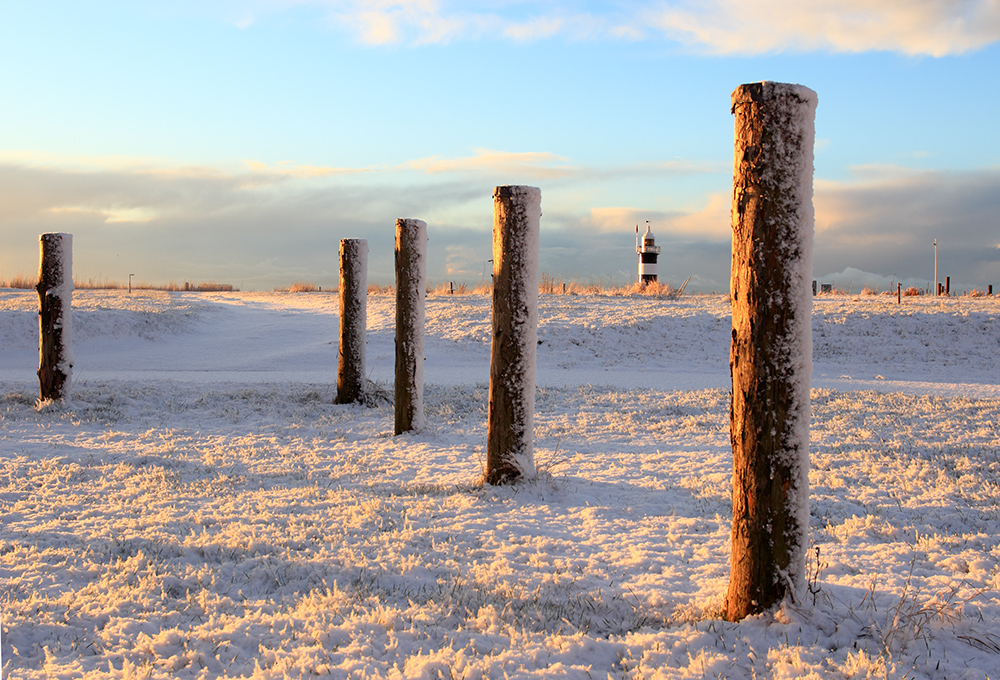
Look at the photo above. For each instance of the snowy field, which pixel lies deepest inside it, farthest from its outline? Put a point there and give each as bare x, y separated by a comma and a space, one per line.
201, 509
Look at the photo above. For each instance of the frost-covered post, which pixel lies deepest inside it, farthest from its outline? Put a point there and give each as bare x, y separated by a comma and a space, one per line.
353, 319
771, 352
55, 320
411, 287
509, 447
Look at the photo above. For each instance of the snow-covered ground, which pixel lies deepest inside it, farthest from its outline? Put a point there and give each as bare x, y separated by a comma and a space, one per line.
201, 509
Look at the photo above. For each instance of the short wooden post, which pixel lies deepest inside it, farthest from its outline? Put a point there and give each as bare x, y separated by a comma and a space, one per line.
899, 293
771, 352
353, 319
510, 446
411, 288
990, 290
947, 285
55, 314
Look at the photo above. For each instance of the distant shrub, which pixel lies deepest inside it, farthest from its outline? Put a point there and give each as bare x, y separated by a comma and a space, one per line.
99, 284
912, 291
20, 282
450, 288
26, 283
298, 287
649, 289
550, 285
378, 289
209, 287
978, 293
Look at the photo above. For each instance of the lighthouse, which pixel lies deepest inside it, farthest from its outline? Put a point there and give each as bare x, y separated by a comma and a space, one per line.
648, 251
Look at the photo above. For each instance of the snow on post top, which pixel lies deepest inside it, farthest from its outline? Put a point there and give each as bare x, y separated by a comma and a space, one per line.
767, 89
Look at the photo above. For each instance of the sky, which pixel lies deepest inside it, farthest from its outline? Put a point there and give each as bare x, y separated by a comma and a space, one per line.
240, 141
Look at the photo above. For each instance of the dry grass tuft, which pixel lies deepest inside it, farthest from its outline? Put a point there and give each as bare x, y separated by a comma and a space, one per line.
299, 287
452, 288
22, 282
19, 281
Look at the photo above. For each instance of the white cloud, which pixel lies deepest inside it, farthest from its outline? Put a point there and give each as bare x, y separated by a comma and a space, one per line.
111, 215
709, 223
529, 165
928, 27
932, 27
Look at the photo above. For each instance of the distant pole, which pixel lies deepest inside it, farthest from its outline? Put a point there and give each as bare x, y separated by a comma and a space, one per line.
55, 314
509, 446
130, 283
936, 289
411, 287
353, 319
771, 351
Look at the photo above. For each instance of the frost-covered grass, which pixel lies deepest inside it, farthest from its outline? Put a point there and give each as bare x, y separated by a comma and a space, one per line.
251, 528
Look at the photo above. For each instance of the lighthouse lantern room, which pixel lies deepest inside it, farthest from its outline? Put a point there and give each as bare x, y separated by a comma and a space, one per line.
648, 251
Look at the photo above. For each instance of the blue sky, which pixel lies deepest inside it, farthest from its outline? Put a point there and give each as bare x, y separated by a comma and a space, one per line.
240, 141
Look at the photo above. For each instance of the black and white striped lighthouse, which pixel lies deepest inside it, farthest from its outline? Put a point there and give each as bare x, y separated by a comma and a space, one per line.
648, 251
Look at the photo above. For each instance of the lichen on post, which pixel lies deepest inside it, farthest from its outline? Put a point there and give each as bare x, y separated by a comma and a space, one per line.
411, 287
55, 314
353, 320
771, 351
510, 445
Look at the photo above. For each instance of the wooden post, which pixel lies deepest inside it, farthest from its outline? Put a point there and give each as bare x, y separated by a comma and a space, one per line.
510, 447
947, 285
990, 290
411, 288
55, 314
353, 319
771, 352
899, 293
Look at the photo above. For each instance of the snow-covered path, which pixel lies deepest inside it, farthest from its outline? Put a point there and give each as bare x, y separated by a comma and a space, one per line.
923, 346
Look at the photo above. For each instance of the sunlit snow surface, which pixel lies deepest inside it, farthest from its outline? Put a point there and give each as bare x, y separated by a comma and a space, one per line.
202, 509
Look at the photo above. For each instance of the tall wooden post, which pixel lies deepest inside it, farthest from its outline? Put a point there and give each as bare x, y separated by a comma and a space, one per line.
510, 447
55, 314
353, 319
771, 352
411, 288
